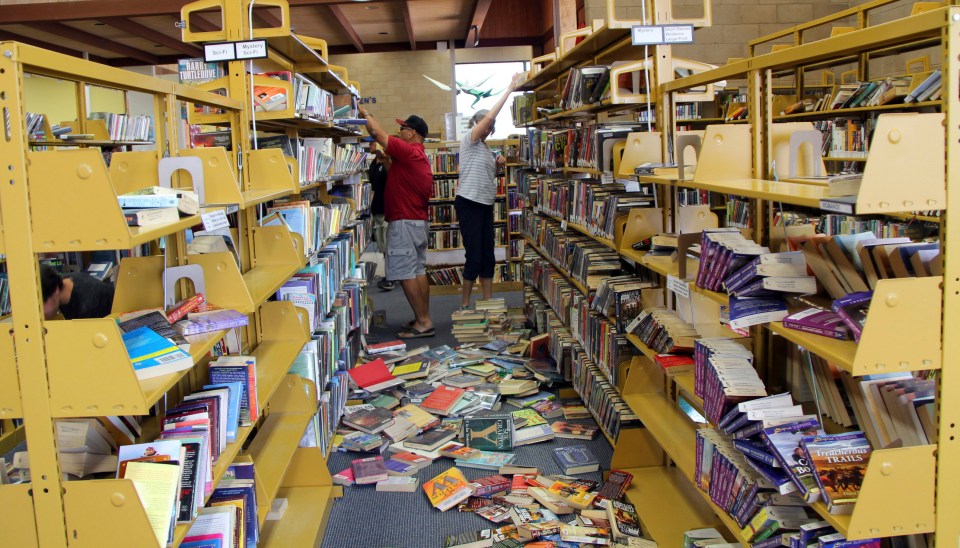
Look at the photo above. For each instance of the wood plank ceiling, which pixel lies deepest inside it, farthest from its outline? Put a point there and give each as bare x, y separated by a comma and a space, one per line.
145, 32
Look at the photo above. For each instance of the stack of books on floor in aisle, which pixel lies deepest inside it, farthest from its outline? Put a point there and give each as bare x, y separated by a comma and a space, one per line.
428, 404
488, 320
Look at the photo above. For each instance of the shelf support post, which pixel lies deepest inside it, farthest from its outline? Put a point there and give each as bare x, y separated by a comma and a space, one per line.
948, 405
26, 302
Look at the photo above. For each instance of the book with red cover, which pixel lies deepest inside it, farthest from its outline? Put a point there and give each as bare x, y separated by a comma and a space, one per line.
373, 376
672, 364
442, 400
184, 307
388, 346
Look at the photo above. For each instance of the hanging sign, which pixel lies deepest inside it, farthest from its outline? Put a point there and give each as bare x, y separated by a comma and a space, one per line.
233, 51
652, 35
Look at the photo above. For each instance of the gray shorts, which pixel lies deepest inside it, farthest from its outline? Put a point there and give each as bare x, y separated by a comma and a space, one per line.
406, 254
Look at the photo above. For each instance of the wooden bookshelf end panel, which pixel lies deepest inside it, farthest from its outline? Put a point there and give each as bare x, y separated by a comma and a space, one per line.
897, 496
307, 515
11, 406
269, 172
89, 505
224, 284
80, 210
91, 374
902, 331
17, 521
668, 504
905, 171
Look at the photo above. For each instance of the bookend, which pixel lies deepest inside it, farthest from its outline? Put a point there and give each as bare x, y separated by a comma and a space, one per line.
268, 169
81, 212
901, 151
89, 505
173, 274
641, 147
90, 372
687, 140
18, 523
641, 223
810, 137
721, 154
906, 475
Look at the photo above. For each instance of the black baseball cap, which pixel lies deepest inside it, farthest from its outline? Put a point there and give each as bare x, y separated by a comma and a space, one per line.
415, 123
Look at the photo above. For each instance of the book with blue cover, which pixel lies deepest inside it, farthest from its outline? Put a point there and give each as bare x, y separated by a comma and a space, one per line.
233, 406
153, 355
576, 459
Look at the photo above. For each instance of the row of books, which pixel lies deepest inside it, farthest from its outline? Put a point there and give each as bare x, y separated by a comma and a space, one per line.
592, 383
625, 297
444, 161
845, 137
515, 200
693, 196
443, 239
514, 219
585, 85
738, 213
125, 127
832, 224
315, 223
517, 247
453, 275
360, 192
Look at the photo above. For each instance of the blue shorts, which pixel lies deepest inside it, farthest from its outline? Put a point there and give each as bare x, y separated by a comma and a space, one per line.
406, 255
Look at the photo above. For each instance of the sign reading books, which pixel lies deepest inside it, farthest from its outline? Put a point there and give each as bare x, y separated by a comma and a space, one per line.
651, 35
233, 51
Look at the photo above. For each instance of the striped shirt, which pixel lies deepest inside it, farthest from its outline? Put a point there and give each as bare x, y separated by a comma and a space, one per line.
478, 171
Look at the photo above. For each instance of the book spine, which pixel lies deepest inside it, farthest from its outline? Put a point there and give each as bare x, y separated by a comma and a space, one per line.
185, 307
148, 201
806, 328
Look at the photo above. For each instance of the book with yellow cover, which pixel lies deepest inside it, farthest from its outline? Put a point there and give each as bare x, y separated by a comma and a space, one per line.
157, 484
448, 489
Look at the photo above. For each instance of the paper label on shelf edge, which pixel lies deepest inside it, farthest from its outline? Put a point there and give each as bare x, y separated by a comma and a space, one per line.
649, 35
563, 225
215, 220
251, 49
678, 286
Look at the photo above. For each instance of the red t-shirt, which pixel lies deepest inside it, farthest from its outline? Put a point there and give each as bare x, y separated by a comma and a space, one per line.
409, 181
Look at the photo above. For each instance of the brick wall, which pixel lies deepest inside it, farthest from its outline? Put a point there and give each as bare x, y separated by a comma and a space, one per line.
395, 80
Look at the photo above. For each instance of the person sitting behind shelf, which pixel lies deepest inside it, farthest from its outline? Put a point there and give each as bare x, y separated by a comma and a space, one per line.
378, 183
75, 296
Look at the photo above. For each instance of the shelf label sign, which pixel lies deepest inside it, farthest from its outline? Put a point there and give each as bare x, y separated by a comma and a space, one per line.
652, 35
232, 51
678, 286
252, 49
214, 220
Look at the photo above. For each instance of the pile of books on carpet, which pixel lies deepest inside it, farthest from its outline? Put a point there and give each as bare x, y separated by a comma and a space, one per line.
487, 321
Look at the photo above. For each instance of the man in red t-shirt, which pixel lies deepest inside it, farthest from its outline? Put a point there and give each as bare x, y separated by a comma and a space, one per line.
408, 191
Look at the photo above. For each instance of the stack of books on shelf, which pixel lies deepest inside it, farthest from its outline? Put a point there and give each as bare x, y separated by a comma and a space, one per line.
584, 86
125, 127
444, 162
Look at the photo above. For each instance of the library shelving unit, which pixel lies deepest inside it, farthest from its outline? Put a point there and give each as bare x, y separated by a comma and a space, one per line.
444, 158
64, 200
283, 469
907, 490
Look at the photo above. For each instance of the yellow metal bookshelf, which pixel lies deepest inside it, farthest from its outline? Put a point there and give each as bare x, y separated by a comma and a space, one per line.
65, 200
908, 490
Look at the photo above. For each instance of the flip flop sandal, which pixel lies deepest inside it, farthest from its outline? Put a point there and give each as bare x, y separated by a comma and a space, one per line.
414, 333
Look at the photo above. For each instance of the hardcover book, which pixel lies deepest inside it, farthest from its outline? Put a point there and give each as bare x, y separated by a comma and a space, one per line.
575, 459
616, 485
447, 489
489, 432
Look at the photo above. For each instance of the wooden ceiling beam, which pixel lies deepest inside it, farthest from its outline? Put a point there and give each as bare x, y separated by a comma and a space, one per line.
77, 35
265, 19
408, 21
480, 10
200, 24
96, 9
136, 29
533, 41
347, 27
5, 35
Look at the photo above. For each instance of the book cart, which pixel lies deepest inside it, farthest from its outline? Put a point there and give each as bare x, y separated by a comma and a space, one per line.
445, 162
65, 201
907, 490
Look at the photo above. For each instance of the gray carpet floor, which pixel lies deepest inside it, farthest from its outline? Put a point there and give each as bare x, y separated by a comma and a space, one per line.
365, 518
